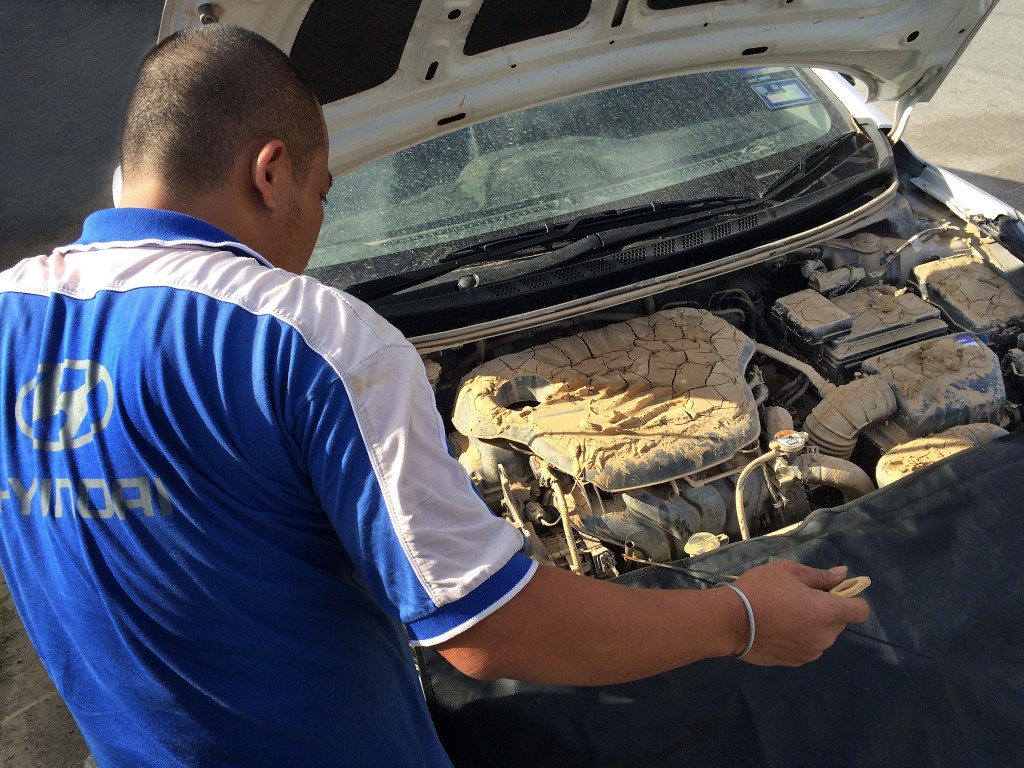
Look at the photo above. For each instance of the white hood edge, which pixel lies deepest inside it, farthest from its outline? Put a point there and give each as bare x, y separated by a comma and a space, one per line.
901, 49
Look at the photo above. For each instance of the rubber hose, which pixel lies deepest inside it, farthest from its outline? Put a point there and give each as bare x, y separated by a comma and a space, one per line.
834, 472
777, 420
741, 514
816, 379
838, 419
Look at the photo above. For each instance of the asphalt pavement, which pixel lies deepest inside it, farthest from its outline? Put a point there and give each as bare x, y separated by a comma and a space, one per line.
974, 125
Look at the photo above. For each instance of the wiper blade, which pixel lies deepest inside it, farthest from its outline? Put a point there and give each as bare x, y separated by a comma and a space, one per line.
809, 163
545, 239
597, 222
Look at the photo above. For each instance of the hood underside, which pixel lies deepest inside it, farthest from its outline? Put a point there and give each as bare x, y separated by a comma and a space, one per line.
393, 74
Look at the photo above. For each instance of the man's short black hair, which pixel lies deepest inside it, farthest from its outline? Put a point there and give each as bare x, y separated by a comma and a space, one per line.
202, 95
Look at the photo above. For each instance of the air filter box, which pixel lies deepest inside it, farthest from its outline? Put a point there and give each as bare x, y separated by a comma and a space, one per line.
942, 383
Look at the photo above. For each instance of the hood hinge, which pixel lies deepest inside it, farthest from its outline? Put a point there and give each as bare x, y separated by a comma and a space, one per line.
906, 104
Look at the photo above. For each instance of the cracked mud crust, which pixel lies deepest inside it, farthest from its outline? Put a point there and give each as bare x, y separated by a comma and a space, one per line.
978, 298
938, 368
874, 311
814, 317
630, 404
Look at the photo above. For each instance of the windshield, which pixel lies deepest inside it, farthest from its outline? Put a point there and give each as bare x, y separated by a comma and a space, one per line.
718, 133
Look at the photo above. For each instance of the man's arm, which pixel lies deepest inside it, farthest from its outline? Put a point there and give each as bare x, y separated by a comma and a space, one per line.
563, 629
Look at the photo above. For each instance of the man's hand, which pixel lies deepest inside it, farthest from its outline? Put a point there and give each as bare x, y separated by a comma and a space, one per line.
797, 618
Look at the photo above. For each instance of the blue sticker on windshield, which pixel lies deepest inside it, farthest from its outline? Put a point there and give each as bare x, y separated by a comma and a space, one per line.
782, 93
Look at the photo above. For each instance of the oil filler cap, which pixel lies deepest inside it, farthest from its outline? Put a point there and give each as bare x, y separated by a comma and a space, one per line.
702, 542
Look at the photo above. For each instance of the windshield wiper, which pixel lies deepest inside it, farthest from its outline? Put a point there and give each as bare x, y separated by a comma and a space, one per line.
809, 163
585, 225
551, 237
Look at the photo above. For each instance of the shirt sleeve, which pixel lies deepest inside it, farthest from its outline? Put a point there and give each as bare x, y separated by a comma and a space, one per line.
419, 535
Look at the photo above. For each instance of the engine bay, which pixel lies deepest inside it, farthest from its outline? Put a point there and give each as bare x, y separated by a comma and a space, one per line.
733, 407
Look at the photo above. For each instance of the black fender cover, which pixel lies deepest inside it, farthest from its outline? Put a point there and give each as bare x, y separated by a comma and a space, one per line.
934, 678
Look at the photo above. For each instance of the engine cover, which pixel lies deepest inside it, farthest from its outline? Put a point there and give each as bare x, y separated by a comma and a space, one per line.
629, 405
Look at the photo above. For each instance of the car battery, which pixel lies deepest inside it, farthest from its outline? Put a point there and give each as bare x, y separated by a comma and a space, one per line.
836, 335
881, 321
942, 383
973, 296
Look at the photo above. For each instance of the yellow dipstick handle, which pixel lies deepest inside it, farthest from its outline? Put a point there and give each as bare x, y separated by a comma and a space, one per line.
851, 587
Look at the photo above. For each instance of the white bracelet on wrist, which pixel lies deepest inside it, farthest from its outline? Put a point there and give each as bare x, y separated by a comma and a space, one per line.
750, 621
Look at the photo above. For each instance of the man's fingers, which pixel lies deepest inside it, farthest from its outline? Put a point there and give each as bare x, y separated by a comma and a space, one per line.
853, 610
815, 578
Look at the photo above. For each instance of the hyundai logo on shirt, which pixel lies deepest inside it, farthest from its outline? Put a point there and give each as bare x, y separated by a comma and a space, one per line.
65, 404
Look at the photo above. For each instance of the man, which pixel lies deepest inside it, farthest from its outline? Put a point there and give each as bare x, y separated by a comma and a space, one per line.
227, 506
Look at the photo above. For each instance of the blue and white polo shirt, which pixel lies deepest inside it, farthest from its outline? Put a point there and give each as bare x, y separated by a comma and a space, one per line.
223, 491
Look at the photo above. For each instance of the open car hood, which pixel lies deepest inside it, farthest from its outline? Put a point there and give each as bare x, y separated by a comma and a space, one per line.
397, 73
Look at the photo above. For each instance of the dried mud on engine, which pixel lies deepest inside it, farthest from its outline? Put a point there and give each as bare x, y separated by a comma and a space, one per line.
624, 406
735, 407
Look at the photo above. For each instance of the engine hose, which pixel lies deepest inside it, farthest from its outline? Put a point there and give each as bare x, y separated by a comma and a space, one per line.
816, 379
777, 420
818, 469
575, 565
838, 419
741, 515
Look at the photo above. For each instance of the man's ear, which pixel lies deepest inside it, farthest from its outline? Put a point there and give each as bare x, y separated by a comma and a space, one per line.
270, 170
